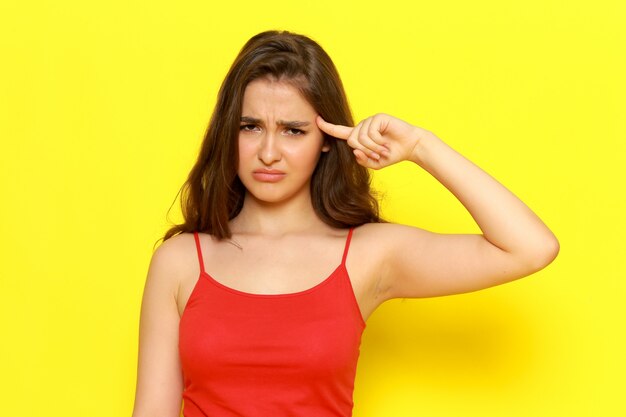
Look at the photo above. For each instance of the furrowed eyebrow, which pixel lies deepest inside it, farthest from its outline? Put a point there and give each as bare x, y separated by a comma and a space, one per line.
288, 123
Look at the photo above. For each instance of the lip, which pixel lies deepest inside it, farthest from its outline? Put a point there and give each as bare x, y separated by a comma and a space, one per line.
268, 175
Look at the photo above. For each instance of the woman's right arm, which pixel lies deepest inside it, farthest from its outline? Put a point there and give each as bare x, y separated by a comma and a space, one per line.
159, 376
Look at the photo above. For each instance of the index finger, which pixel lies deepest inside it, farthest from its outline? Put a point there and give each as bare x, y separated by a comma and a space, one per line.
337, 131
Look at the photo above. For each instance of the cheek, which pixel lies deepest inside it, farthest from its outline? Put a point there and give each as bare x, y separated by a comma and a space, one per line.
247, 149
302, 155
306, 151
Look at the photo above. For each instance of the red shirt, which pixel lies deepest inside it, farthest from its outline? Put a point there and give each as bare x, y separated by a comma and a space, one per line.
270, 355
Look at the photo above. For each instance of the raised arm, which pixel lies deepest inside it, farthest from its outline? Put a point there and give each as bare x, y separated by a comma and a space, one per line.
159, 377
419, 263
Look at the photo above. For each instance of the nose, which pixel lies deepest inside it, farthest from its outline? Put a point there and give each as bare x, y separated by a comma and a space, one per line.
269, 150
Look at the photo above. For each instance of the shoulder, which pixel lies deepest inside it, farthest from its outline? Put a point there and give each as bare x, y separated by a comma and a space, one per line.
175, 250
373, 250
377, 242
174, 260
386, 234
381, 243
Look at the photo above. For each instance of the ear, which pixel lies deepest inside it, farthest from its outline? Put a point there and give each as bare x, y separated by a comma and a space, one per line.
326, 145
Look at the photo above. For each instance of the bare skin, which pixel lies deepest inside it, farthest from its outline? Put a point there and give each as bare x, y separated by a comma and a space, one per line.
282, 247
267, 265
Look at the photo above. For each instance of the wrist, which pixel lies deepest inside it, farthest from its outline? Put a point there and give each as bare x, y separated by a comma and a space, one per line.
425, 141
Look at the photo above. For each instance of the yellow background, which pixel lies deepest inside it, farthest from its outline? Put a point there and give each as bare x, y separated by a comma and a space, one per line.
102, 110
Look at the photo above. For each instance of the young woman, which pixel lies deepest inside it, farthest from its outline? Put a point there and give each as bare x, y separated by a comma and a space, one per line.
255, 305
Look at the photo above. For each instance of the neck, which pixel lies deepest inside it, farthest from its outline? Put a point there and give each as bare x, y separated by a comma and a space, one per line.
275, 219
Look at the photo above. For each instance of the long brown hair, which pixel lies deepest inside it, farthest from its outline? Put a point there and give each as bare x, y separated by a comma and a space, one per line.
213, 194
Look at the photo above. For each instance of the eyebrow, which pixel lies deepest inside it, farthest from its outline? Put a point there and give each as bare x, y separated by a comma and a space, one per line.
288, 123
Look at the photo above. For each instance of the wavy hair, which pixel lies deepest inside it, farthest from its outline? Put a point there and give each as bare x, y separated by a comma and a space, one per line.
213, 194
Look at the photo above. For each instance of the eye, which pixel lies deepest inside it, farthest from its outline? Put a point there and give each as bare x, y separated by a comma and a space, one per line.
247, 128
295, 132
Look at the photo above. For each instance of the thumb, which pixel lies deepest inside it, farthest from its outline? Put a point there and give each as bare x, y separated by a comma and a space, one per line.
337, 131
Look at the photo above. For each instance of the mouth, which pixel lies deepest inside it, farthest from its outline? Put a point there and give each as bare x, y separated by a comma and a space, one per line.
268, 175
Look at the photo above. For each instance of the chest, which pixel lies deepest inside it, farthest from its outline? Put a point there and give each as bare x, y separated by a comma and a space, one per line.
229, 332
288, 267
295, 352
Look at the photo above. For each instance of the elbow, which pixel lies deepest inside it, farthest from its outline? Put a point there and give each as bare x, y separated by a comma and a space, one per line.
544, 254
552, 250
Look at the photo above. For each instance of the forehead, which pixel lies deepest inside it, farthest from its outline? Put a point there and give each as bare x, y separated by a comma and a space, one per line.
265, 96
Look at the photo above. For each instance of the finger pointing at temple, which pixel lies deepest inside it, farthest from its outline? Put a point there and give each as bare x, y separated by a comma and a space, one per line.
337, 131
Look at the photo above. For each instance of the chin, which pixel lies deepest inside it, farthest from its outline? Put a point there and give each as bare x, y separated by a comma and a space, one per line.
269, 197
274, 194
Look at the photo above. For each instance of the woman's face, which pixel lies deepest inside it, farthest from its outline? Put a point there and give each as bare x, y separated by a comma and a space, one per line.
279, 142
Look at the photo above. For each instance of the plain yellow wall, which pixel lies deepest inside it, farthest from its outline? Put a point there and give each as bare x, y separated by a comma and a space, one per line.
102, 110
